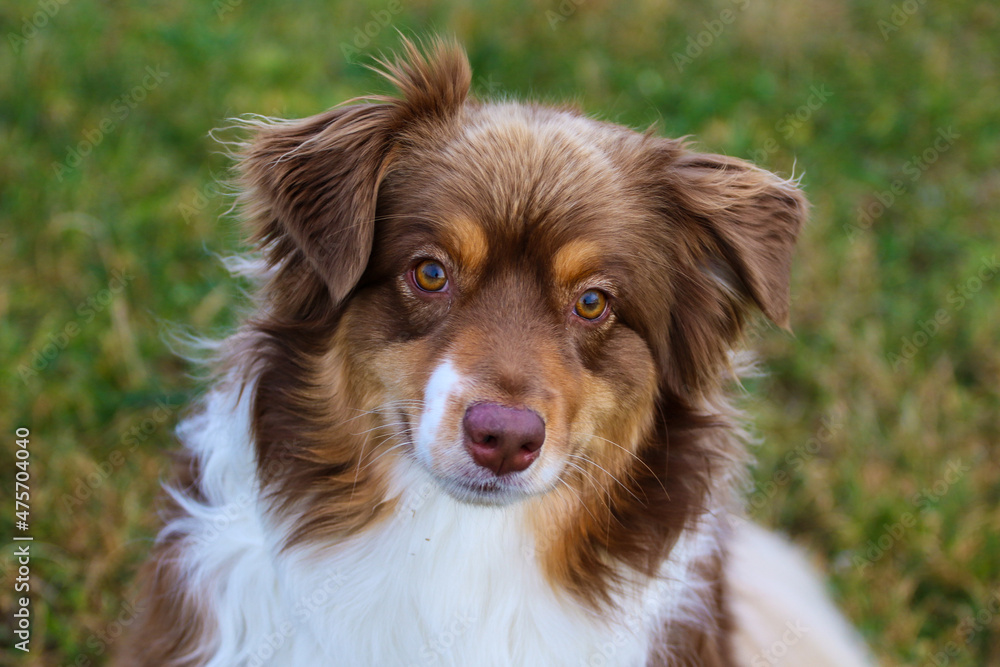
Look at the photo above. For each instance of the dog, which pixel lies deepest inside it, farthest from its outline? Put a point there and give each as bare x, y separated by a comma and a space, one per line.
479, 413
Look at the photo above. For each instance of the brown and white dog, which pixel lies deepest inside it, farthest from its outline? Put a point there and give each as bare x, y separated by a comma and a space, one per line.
478, 416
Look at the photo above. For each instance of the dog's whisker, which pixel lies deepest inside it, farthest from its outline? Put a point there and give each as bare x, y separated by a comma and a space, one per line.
630, 476
376, 459
606, 472
578, 498
599, 491
357, 470
386, 408
624, 449
381, 426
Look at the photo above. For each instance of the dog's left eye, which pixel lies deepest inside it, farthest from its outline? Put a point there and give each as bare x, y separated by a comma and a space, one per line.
430, 276
591, 305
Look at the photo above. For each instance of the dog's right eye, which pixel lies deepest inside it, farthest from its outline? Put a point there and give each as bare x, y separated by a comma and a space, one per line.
430, 276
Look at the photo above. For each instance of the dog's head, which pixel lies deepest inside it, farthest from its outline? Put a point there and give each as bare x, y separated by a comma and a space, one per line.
516, 298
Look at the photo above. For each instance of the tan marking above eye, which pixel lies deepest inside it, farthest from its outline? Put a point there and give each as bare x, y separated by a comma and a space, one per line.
466, 241
430, 276
591, 304
575, 260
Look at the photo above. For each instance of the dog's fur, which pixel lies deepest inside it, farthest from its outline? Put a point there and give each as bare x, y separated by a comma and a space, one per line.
327, 512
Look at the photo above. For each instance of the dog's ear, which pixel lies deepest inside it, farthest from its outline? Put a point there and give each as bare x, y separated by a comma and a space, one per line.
733, 227
747, 219
311, 186
310, 189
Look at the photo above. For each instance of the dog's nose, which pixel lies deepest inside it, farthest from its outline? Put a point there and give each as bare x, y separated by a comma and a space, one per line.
503, 439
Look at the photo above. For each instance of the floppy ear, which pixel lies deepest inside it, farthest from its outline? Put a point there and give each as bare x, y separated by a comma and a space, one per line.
735, 227
310, 188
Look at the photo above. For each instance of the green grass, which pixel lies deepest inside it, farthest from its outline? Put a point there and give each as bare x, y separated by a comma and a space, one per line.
97, 256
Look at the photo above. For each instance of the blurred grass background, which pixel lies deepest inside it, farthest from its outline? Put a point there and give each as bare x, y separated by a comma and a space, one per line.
879, 416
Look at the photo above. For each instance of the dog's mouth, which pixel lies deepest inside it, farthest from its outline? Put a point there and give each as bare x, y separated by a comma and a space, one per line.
492, 491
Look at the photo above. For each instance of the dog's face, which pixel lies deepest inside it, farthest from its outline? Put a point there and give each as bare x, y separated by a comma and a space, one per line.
515, 294
498, 312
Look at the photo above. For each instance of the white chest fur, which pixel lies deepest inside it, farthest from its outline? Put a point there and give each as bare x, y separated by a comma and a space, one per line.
438, 583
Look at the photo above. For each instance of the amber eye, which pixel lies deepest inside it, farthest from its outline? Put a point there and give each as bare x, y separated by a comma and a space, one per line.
591, 304
430, 276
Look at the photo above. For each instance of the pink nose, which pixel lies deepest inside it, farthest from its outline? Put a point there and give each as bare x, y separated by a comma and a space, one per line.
503, 439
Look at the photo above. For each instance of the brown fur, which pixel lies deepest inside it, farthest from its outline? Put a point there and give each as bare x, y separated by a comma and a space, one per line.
527, 205
171, 628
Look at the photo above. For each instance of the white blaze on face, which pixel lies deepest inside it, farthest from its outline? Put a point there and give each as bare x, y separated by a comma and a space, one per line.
444, 383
